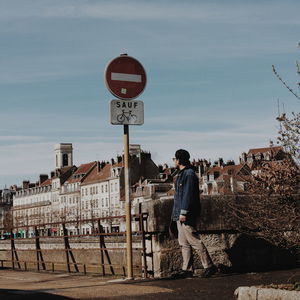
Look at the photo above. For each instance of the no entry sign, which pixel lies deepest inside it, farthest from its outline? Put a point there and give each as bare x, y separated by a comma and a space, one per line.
125, 77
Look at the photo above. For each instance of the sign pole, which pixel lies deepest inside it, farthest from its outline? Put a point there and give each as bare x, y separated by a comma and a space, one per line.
127, 204
125, 78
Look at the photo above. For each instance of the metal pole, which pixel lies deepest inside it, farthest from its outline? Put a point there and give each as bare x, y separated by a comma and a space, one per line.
127, 204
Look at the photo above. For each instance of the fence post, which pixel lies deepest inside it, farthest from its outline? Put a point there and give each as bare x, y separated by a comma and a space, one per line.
39, 255
65, 236
141, 228
68, 250
14, 251
103, 247
100, 229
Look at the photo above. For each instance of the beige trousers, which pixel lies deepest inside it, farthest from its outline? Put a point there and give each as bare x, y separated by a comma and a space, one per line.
188, 239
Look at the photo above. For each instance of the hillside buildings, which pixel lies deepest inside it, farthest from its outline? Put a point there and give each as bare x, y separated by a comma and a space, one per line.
92, 190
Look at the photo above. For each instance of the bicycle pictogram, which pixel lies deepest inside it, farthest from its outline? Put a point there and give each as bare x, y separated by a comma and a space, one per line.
126, 115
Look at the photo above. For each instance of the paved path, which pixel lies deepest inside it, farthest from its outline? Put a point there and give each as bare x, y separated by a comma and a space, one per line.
21, 285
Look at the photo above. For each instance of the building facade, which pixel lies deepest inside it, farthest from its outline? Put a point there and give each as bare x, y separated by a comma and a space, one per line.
92, 190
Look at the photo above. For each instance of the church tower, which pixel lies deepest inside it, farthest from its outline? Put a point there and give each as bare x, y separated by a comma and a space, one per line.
63, 155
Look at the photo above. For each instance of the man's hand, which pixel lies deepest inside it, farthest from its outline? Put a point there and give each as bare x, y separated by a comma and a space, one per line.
182, 218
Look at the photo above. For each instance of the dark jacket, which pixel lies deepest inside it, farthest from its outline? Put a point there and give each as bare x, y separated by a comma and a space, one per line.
187, 196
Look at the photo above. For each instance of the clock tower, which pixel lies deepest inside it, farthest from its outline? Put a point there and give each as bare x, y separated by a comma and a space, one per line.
63, 155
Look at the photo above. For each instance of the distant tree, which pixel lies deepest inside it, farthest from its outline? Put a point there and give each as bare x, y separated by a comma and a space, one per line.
272, 208
284, 82
289, 135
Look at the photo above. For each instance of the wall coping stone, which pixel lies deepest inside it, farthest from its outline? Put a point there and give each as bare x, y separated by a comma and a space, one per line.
255, 293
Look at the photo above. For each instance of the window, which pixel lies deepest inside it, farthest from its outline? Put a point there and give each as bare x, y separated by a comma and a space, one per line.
106, 188
102, 189
65, 160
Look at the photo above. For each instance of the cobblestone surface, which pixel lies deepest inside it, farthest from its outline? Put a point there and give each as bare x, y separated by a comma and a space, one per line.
20, 285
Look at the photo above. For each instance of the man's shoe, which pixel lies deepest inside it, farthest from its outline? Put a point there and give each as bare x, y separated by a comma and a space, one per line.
182, 274
208, 272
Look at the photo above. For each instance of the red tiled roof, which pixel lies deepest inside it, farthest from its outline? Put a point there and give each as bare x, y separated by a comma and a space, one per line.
264, 150
234, 168
63, 170
120, 164
224, 170
46, 182
214, 169
96, 176
82, 169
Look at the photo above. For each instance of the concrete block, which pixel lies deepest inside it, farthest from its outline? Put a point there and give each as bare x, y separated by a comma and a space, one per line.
254, 293
246, 293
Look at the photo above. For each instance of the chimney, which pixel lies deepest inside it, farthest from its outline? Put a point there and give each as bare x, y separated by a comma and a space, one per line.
43, 178
13, 187
244, 157
232, 184
146, 155
98, 166
230, 162
25, 185
102, 165
119, 159
52, 174
201, 168
220, 162
112, 161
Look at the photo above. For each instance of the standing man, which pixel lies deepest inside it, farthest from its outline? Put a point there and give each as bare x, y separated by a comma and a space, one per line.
186, 209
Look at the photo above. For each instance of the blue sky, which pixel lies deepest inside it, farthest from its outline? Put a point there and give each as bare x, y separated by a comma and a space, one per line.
210, 85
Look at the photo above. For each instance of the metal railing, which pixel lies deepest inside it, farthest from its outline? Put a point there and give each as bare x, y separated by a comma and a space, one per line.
72, 263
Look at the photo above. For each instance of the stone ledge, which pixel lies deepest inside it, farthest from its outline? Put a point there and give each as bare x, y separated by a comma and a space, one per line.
254, 293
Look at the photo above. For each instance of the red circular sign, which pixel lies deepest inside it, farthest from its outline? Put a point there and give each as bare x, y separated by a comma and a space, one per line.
125, 77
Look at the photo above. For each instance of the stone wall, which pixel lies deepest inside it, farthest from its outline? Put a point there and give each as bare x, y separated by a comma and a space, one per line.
230, 250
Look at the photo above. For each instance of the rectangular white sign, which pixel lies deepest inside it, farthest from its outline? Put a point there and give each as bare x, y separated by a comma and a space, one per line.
126, 112
126, 77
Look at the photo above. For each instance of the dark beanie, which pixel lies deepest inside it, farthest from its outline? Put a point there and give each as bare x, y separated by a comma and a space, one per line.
183, 156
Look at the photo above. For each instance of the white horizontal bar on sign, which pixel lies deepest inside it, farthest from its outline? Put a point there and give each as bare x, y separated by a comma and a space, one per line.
126, 77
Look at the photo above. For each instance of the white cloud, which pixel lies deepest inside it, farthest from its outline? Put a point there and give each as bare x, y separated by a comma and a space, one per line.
204, 11
185, 31
30, 160
37, 157
16, 138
